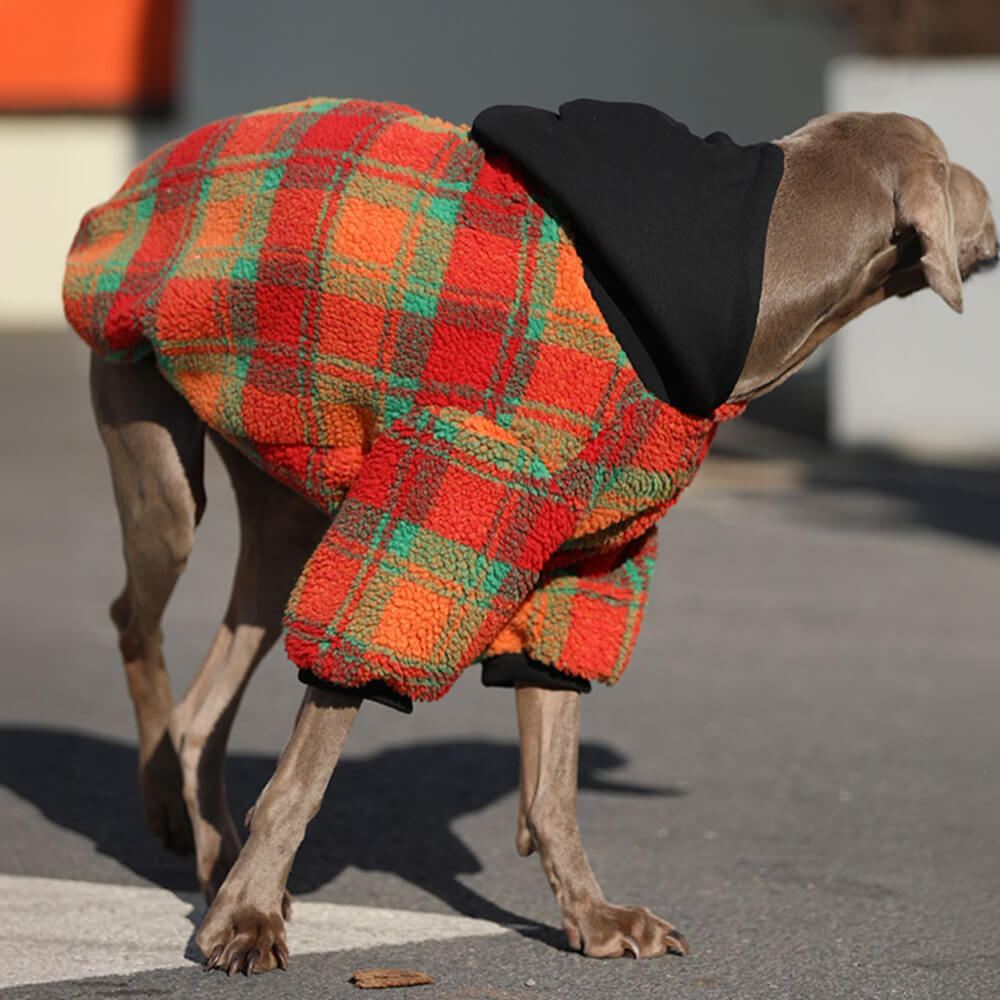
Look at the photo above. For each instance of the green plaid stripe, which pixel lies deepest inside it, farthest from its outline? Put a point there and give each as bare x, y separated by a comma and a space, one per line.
318, 279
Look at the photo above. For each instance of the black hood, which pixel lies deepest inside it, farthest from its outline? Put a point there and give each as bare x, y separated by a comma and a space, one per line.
670, 228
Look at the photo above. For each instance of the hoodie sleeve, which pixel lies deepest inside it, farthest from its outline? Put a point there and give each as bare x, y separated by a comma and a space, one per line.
584, 619
441, 537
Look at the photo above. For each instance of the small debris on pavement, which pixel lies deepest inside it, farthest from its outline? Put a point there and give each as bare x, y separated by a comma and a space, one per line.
379, 979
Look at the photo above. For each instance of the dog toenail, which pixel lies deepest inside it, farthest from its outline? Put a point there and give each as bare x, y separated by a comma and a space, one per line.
281, 953
679, 943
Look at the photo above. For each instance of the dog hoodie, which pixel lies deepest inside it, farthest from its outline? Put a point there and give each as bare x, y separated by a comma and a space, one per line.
392, 318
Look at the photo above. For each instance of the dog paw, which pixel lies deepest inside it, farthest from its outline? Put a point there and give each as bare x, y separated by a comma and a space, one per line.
245, 939
210, 890
163, 805
607, 931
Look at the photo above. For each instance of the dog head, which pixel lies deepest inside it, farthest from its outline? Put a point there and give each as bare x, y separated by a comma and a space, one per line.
869, 207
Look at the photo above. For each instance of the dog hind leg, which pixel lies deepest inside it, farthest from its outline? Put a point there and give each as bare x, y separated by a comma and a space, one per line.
278, 532
549, 722
155, 447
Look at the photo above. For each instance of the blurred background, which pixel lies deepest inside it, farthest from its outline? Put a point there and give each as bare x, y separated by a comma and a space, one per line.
801, 759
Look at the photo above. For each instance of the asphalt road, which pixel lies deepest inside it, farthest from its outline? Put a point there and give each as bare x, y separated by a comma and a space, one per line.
800, 768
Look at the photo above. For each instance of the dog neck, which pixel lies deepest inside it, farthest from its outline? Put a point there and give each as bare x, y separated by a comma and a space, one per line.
824, 263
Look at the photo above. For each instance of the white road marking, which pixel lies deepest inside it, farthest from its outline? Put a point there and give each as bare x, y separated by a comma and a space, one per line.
56, 929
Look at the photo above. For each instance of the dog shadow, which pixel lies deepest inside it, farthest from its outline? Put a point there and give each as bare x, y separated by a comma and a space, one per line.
957, 500
392, 812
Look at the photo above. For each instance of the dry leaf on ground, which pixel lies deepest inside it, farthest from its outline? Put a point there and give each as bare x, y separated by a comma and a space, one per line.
375, 979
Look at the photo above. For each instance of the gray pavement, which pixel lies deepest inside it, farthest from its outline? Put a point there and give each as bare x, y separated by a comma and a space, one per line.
800, 768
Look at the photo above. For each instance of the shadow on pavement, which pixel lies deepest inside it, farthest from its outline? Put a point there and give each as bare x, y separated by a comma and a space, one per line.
392, 812
964, 502
958, 500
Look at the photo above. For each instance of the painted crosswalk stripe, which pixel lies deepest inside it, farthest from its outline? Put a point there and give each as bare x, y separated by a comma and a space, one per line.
56, 929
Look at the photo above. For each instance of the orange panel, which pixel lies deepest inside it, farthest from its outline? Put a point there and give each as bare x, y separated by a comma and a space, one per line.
97, 55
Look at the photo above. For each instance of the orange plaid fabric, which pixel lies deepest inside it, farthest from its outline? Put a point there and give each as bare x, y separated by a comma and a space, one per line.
391, 324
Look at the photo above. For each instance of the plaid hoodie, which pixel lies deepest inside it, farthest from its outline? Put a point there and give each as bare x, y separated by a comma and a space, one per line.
390, 324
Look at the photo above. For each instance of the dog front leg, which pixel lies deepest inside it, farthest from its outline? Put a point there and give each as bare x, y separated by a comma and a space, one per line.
244, 929
549, 723
278, 532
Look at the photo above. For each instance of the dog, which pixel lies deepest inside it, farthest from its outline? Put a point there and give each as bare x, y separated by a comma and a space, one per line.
866, 207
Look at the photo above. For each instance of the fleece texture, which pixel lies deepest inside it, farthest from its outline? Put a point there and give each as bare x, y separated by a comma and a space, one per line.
392, 325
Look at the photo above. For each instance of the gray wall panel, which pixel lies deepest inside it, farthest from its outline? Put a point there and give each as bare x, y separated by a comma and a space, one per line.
735, 65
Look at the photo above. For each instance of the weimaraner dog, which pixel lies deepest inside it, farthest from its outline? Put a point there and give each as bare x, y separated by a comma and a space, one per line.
868, 206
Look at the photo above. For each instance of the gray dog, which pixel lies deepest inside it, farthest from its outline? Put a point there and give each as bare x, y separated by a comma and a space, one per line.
863, 207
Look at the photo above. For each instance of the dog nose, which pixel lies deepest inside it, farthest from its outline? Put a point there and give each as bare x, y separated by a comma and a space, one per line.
988, 247
988, 253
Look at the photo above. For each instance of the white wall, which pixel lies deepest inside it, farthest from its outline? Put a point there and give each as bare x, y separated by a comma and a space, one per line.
912, 375
52, 169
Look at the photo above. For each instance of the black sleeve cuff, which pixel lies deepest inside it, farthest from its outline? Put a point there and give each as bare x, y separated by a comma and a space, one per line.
510, 669
372, 691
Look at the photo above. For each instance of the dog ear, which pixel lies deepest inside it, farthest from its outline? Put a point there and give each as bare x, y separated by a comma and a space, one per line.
924, 203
